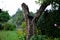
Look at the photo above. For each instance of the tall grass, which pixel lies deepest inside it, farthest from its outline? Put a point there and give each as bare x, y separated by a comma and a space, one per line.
8, 35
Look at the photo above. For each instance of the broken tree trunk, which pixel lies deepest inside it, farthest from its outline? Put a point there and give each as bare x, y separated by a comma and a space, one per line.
30, 23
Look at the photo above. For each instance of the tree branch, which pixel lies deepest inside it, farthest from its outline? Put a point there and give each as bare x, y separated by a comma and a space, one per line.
40, 11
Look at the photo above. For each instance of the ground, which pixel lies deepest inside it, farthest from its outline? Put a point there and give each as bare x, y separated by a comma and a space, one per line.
8, 35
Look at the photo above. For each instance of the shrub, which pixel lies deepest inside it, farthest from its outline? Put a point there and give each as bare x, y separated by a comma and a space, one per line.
1, 26
21, 34
38, 37
49, 24
7, 26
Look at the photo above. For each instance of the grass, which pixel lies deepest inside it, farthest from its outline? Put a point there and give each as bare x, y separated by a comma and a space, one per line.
8, 35
13, 35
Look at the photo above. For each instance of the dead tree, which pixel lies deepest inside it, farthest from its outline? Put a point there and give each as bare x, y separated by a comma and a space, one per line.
30, 22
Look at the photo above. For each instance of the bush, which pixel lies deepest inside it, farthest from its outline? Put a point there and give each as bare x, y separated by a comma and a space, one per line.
23, 25
43, 37
38, 37
21, 34
49, 24
7, 26
1, 26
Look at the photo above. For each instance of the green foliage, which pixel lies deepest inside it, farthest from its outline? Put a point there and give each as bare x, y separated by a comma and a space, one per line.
8, 35
43, 37
8, 26
23, 25
4, 16
32, 14
39, 1
21, 31
18, 17
38, 37
21, 34
1, 26
47, 1
47, 21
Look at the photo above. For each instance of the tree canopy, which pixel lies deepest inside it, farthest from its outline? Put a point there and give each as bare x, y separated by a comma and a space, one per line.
4, 16
48, 22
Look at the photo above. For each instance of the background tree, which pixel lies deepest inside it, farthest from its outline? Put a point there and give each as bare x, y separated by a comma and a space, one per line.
48, 22
4, 17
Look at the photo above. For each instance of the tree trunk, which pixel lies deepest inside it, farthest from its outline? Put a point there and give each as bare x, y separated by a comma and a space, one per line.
30, 23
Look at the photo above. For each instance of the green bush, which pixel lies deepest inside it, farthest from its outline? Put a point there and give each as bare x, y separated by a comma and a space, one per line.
46, 24
7, 26
21, 34
23, 25
43, 37
1, 26
38, 37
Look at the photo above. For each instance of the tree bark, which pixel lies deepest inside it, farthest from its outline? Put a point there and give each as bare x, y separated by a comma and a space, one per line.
30, 23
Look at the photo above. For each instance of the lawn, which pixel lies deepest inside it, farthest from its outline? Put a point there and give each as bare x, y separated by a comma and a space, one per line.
8, 35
